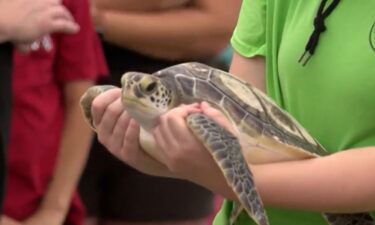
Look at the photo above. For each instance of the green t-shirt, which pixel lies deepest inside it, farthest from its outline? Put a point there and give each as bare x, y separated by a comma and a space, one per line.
333, 96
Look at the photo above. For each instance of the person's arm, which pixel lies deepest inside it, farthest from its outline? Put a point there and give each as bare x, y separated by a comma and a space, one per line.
200, 30
138, 5
251, 70
73, 151
23, 21
5, 220
341, 182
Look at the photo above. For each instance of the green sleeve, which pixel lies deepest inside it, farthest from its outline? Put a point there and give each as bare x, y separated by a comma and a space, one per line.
249, 37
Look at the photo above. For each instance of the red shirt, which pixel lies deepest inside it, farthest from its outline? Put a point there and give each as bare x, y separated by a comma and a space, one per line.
38, 111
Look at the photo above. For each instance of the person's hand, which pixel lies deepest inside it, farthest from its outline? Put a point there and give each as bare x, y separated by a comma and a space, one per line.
120, 134
24, 21
45, 216
184, 154
5, 220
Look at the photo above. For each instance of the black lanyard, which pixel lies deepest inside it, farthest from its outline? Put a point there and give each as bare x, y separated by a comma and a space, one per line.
319, 27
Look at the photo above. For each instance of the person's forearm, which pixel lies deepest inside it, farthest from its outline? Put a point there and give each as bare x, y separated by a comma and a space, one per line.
175, 34
73, 152
342, 182
3, 32
139, 5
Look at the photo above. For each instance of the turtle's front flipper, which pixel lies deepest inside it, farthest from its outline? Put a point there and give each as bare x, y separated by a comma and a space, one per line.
349, 219
226, 150
236, 211
88, 97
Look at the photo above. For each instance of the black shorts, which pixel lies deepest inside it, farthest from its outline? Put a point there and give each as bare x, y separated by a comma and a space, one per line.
114, 191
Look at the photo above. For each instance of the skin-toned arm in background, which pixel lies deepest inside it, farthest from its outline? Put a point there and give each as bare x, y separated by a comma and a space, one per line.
138, 5
73, 152
200, 30
23, 21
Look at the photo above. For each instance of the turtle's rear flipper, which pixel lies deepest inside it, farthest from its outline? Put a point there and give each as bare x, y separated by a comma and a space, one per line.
88, 97
226, 151
349, 219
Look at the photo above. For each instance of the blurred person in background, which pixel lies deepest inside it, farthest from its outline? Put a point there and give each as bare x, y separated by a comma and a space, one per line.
49, 142
147, 36
21, 23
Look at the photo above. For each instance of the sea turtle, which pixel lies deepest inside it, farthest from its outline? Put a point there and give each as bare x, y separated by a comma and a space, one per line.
264, 132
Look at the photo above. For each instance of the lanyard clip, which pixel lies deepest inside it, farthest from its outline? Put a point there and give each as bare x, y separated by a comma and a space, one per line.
306, 56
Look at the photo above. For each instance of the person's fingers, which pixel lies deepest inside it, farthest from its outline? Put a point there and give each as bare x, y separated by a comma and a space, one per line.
172, 124
172, 129
217, 116
161, 144
132, 133
120, 129
207, 108
63, 26
110, 117
135, 156
131, 148
101, 102
60, 12
177, 123
212, 112
181, 111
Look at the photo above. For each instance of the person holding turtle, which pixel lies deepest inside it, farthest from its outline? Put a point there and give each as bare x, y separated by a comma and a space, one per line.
288, 49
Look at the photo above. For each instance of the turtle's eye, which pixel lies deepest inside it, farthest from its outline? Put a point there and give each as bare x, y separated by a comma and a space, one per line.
150, 88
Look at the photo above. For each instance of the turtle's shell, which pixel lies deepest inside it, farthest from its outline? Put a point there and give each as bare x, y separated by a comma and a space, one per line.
267, 132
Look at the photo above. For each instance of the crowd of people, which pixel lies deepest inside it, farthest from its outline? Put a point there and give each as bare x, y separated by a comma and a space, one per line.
54, 170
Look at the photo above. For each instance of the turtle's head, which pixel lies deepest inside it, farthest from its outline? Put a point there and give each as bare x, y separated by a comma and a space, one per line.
146, 97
